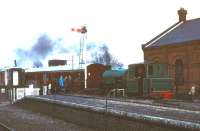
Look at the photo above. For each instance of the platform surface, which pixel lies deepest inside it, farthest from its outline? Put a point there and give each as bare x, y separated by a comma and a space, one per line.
150, 110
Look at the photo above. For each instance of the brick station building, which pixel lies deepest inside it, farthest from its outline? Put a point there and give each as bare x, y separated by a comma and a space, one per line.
179, 47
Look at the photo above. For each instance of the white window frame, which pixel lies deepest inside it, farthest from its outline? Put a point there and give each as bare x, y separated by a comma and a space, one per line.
15, 78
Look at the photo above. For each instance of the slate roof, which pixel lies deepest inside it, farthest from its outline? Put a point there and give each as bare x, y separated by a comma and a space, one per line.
177, 34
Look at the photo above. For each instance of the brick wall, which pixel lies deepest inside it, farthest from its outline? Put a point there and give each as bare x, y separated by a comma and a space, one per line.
188, 52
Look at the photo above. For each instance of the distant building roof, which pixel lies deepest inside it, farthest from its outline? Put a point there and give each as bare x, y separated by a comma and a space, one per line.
180, 32
51, 69
57, 62
7, 68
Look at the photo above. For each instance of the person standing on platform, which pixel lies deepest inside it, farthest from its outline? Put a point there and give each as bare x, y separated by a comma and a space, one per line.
192, 92
61, 82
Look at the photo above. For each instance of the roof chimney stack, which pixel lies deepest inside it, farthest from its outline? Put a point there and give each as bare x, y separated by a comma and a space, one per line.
182, 14
15, 63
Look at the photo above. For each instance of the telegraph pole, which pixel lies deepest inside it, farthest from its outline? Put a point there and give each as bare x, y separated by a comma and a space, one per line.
72, 62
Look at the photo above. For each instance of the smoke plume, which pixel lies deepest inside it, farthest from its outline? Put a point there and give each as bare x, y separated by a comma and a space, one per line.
38, 52
45, 46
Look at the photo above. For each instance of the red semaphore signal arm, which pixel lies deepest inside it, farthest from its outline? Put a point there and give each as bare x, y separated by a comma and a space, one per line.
82, 30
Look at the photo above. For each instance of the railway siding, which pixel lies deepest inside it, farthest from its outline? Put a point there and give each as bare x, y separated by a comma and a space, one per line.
3, 127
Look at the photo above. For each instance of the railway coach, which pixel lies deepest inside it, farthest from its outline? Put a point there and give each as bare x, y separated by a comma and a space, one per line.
94, 75
47, 79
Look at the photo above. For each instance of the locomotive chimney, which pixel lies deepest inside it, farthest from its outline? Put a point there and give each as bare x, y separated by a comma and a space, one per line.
182, 14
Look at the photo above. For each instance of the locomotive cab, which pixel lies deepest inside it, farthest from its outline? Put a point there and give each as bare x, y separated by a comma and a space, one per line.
148, 79
139, 75
140, 71
135, 79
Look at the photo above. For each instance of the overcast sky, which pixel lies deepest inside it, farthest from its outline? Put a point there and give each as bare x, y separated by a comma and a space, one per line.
121, 24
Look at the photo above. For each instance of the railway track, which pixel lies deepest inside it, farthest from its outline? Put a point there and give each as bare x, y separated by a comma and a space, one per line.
3, 127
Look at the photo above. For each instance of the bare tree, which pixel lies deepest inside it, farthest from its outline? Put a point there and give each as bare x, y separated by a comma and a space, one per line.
103, 56
37, 64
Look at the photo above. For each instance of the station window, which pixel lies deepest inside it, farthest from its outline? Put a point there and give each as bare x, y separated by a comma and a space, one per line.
179, 72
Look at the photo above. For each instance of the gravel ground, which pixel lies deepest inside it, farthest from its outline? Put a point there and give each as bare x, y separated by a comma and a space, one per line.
23, 120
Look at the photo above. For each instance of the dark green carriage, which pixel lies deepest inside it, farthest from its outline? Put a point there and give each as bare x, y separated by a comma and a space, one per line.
153, 79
